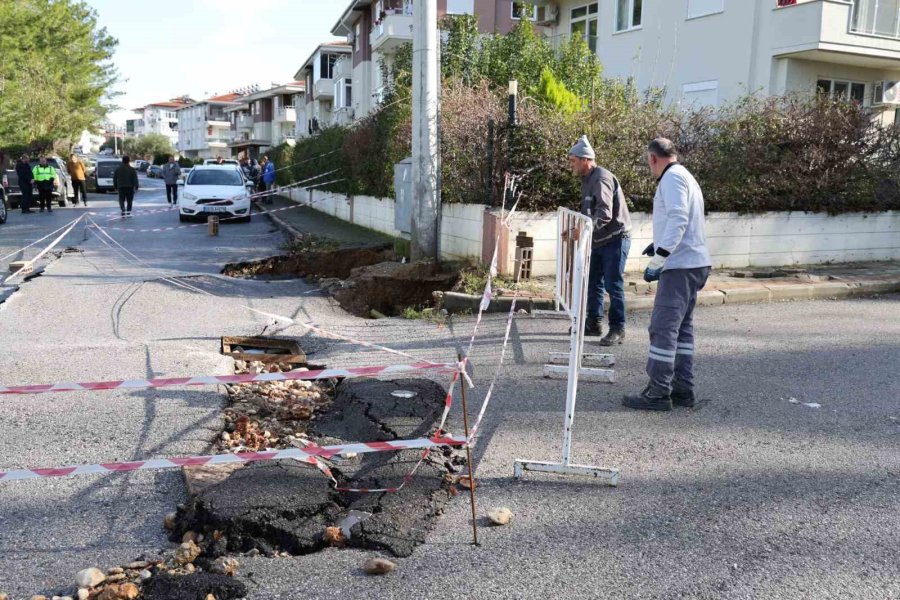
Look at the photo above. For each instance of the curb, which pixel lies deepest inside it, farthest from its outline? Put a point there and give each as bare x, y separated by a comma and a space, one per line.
455, 302
280, 223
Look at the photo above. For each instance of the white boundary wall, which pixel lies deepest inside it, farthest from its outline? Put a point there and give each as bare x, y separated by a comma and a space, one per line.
735, 241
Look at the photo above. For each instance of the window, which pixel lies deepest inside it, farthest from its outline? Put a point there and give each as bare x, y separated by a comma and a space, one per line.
343, 93
460, 7
326, 65
357, 31
700, 94
844, 90
518, 11
628, 14
584, 22
701, 8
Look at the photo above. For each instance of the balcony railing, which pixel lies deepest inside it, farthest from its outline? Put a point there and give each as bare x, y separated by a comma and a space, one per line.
876, 17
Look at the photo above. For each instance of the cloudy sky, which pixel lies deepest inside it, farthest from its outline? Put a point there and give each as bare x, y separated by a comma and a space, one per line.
205, 47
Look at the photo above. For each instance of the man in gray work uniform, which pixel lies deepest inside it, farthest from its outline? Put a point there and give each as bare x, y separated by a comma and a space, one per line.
680, 261
603, 200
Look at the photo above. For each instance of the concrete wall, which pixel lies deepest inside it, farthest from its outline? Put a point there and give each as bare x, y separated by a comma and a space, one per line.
735, 241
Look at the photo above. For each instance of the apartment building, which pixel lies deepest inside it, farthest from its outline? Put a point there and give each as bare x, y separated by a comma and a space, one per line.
204, 129
266, 118
159, 117
375, 29
706, 52
317, 74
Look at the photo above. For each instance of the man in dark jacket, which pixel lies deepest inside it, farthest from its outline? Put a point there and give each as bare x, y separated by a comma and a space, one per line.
603, 200
23, 171
125, 180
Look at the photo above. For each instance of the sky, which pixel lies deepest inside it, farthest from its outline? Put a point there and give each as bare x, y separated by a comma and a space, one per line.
207, 47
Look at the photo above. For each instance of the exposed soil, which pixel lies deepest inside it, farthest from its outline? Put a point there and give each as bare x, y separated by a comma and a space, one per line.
333, 263
193, 587
287, 506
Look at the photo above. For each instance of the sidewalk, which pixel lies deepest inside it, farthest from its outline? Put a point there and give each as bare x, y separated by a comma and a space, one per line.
725, 286
304, 220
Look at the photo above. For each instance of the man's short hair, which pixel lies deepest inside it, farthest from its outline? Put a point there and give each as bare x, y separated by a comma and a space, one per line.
126, 159
662, 147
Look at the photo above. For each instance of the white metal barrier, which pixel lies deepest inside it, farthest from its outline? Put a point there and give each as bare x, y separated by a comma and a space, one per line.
573, 259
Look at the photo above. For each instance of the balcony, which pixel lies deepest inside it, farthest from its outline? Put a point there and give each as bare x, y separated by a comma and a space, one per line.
861, 33
393, 30
286, 114
324, 88
243, 123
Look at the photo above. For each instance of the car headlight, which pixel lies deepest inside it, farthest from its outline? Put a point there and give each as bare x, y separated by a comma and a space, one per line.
189, 196
238, 197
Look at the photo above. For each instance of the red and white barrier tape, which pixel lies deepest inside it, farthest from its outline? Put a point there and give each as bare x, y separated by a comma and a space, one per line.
308, 455
41, 254
161, 382
36, 242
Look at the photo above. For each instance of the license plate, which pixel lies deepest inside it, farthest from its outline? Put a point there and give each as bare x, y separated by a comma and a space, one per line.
214, 209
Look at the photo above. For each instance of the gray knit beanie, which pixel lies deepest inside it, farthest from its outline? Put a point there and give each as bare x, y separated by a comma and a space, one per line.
582, 149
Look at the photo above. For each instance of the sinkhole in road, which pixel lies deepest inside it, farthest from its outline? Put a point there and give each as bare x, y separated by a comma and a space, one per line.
290, 507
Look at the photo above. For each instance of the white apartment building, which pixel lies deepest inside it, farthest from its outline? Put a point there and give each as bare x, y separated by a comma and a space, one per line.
159, 117
267, 118
706, 52
204, 129
317, 74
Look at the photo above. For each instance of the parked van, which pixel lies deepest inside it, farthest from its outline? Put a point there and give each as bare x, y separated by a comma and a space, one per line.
103, 173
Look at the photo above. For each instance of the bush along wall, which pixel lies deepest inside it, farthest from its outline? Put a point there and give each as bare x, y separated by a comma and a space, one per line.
790, 153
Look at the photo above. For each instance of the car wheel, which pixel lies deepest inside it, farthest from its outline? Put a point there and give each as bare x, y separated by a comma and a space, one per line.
61, 202
14, 204
2, 210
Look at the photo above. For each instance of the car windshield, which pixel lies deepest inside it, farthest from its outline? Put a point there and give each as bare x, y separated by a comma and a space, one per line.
106, 169
215, 177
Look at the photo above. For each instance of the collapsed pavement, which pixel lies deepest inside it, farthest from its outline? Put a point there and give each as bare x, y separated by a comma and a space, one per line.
287, 507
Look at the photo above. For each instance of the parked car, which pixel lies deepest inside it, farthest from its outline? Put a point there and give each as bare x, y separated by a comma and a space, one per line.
64, 193
142, 165
219, 190
103, 174
225, 161
154, 171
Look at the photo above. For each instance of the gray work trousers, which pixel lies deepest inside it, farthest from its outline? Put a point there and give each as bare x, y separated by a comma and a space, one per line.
671, 360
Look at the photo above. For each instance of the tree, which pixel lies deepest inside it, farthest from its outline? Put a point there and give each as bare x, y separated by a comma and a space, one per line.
150, 145
56, 74
554, 94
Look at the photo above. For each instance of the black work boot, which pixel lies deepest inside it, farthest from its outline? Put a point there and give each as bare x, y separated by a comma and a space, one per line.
647, 400
615, 336
683, 396
592, 327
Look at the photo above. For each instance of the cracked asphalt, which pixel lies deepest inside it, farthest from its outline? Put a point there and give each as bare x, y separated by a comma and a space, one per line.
750, 495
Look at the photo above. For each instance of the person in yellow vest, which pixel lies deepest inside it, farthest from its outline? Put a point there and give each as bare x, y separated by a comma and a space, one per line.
76, 173
46, 181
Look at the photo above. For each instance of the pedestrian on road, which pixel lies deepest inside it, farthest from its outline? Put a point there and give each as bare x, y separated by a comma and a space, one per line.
46, 180
680, 261
125, 180
171, 173
76, 172
268, 177
220, 160
26, 180
603, 200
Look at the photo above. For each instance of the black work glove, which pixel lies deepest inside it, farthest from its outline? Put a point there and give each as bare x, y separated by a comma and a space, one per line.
648, 251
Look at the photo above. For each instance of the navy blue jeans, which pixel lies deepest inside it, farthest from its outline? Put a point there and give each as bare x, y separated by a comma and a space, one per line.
608, 275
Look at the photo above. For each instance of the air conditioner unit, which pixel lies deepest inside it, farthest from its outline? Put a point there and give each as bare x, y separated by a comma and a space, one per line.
887, 92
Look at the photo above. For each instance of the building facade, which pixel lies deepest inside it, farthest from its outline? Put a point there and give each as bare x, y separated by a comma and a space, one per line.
707, 52
318, 75
159, 117
266, 118
204, 128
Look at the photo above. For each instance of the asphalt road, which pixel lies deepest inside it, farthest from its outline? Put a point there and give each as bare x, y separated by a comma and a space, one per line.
750, 495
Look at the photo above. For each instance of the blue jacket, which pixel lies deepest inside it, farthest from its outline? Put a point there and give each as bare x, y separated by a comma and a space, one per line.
269, 173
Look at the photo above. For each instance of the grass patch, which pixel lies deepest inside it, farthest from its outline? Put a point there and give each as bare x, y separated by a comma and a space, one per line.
473, 278
434, 315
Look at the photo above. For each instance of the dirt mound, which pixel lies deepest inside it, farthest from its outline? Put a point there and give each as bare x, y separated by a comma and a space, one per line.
332, 263
390, 287
287, 506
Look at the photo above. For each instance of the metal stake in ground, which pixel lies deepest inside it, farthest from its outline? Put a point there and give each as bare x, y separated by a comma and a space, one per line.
465, 407
212, 225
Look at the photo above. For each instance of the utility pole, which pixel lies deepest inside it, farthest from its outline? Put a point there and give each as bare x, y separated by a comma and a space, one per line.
425, 145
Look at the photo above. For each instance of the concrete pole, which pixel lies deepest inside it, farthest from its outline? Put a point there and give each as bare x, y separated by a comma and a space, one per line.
425, 146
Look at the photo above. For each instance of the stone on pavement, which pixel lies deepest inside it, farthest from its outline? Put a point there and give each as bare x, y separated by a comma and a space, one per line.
500, 516
88, 578
378, 566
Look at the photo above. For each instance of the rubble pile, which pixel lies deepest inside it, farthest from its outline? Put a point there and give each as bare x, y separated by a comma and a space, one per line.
271, 415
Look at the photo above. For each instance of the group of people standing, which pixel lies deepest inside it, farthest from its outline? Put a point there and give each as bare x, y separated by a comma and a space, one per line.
261, 173
43, 178
679, 261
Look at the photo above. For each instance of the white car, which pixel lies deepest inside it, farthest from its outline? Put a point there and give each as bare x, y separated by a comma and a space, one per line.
219, 190
103, 172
